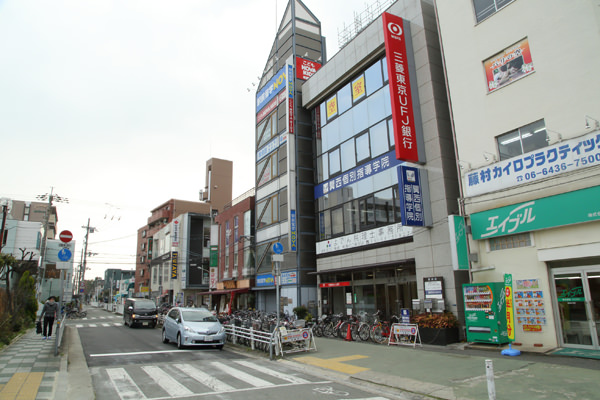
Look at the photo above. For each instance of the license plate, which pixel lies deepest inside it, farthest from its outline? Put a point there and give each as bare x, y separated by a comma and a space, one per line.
208, 338
144, 323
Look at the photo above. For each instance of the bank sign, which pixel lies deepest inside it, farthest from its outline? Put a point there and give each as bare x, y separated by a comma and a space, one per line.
549, 161
548, 212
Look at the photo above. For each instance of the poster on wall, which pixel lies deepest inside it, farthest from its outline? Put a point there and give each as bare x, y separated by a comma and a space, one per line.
529, 305
306, 68
509, 65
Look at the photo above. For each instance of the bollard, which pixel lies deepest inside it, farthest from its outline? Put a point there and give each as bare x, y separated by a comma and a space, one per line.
252, 338
489, 373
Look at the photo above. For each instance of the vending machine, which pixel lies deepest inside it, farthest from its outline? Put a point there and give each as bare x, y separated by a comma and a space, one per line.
485, 312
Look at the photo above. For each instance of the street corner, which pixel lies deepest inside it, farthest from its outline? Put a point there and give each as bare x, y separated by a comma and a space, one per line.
338, 364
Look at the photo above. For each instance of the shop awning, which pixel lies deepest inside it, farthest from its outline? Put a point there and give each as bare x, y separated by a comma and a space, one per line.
225, 291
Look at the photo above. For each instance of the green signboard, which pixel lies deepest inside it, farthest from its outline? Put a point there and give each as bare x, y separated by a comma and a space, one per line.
214, 256
548, 212
458, 239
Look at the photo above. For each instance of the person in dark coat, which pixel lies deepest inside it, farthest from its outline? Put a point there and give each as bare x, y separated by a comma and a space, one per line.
49, 312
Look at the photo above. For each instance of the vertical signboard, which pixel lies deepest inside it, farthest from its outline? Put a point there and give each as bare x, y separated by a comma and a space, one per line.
510, 317
175, 233
403, 117
458, 242
174, 264
290, 87
414, 196
293, 231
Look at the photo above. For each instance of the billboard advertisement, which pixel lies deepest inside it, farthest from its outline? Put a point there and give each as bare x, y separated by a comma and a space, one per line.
403, 115
306, 68
271, 89
509, 65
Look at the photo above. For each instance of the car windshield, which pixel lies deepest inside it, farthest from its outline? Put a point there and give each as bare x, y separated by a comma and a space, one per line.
198, 316
144, 304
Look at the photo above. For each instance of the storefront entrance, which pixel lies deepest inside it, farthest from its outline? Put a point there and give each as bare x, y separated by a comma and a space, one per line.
577, 299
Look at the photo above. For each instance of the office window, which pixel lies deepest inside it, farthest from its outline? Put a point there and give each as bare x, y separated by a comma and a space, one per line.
337, 221
362, 147
523, 140
268, 211
485, 8
334, 161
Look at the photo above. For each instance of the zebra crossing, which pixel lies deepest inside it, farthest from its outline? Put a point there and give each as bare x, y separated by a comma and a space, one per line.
95, 322
204, 379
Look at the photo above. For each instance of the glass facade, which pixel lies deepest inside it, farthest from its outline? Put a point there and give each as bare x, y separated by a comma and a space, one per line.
355, 129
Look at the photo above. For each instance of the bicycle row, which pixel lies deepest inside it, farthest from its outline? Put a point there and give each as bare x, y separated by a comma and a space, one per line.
359, 327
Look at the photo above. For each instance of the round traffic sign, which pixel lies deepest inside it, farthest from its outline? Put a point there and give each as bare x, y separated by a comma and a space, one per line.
277, 248
64, 255
65, 236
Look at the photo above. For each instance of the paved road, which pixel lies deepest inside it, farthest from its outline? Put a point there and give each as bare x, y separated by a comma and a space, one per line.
127, 363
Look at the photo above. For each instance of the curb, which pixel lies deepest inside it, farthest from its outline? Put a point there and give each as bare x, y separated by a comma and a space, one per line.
74, 378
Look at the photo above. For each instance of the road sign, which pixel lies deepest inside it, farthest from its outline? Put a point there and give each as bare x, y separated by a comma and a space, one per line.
65, 236
64, 255
277, 248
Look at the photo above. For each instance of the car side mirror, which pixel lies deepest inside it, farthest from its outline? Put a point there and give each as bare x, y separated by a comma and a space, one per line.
178, 320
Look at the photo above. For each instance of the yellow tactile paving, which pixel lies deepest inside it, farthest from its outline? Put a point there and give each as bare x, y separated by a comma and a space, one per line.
336, 363
22, 386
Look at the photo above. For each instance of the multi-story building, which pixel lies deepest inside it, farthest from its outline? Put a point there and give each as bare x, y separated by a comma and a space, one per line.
235, 272
386, 179
219, 175
284, 166
526, 118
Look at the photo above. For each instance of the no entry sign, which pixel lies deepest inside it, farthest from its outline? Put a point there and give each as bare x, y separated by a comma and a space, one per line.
65, 236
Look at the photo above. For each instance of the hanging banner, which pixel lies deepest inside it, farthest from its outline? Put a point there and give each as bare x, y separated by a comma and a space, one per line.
174, 255
306, 68
510, 317
415, 206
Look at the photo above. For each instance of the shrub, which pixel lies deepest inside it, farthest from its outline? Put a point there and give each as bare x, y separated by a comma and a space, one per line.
301, 312
444, 320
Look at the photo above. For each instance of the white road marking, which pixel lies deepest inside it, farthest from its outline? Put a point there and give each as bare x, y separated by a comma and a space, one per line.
204, 378
271, 372
241, 375
135, 353
168, 383
126, 387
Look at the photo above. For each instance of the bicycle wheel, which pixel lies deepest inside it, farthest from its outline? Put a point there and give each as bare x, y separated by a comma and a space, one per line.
328, 330
317, 330
363, 332
377, 335
354, 332
343, 330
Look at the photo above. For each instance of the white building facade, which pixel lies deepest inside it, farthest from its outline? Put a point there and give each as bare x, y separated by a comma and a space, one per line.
523, 87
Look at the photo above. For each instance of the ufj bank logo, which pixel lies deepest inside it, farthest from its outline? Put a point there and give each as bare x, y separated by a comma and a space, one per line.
395, 30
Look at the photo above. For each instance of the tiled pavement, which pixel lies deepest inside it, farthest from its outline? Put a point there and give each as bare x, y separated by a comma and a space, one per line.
29, 368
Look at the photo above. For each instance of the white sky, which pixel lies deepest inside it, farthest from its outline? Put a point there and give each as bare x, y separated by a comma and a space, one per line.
118, 104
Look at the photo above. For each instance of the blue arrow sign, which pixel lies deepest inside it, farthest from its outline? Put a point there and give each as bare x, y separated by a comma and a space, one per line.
64, 255
277, 248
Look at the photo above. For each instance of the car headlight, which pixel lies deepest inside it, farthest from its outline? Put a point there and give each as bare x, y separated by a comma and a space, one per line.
188, 329
133, 315
222, 330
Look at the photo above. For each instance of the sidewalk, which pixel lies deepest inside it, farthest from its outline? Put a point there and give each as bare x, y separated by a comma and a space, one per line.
28, 368
454, 373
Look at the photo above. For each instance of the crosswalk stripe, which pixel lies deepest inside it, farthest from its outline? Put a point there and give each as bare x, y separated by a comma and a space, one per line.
79, 326
204, 378
267, 371
168, 383
105, 324
91, 325
257, 382
126, 387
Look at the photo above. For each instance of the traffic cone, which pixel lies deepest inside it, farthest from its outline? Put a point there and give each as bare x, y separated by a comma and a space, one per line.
349, 334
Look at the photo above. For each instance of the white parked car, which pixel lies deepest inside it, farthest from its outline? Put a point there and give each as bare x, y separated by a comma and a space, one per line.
193, 327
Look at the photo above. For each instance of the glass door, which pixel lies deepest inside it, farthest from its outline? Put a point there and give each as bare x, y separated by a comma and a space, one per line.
578, 304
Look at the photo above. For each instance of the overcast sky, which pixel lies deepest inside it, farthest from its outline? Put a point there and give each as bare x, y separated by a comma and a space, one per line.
118, 104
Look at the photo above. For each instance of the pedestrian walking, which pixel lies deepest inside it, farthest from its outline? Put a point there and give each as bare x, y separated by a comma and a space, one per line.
49, 312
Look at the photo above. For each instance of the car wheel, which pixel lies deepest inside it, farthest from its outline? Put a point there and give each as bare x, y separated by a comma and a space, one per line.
164, 337
179, 342
131, 324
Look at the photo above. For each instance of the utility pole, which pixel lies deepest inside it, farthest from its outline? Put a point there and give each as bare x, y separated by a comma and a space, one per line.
81, 275
4, 212
51, 198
